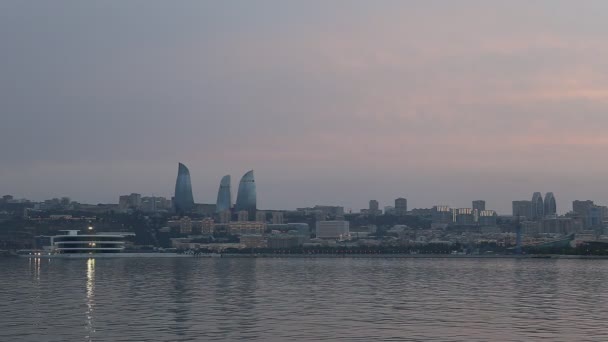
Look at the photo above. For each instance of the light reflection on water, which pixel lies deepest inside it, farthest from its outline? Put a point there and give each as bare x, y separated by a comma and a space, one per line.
90, 298
303, 299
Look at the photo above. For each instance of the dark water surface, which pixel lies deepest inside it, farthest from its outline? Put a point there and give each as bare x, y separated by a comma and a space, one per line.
303, 299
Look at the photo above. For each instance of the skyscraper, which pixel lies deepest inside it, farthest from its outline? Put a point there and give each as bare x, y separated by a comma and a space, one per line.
246, 196
522, 209
538, 208
374, 207
479, 205
583, 209
184, 201
224, 195
550, 204
401, 206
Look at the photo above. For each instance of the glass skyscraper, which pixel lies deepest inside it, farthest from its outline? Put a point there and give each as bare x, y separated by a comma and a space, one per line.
550, 204
224, 195
538, 209
246, 196
183, 200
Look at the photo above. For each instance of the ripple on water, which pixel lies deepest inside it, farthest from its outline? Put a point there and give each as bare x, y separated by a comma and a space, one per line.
303, 299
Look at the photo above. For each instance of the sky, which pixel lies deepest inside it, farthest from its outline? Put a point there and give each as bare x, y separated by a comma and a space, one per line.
330, 102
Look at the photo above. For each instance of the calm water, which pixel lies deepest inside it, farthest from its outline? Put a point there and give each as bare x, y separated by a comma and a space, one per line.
303, 299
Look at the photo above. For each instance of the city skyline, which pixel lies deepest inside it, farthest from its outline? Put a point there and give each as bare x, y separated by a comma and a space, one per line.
536, 209
329, 103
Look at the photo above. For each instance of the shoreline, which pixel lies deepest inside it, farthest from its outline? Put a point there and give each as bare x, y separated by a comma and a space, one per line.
417, 256
315, 256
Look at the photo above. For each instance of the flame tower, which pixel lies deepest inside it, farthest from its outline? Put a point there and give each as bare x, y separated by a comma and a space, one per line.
224, 195
246, 196
183, 200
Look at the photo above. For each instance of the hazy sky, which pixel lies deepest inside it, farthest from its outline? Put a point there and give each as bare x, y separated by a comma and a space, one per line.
331, 102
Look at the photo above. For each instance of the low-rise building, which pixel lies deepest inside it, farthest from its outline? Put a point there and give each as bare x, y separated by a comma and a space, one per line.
333, 229
246, 227
283, 241
487, 218
253, 241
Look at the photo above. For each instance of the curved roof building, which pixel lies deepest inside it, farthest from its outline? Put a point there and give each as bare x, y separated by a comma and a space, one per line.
538, 209
246, 196
550, 204
183, 200
224, 195
72, 242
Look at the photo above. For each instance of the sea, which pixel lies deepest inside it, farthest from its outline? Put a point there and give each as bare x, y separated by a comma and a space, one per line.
303, 299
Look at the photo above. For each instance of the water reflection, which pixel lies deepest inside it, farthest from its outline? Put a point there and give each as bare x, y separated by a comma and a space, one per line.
90, 286
234, 296
303, 299
181, 298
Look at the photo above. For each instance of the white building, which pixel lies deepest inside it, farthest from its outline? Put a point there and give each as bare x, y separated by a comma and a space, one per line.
333, 229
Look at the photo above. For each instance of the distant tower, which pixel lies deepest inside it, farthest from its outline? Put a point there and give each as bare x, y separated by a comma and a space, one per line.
246, 198
522, 209
401, 206
538, 208
479, 205
550, 204
183, 200
374, 207
224, 195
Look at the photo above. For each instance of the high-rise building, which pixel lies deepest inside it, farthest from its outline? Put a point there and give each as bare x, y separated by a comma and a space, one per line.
487, 218
550, 204
246, 198
224, 195
464, 216
538, 208
522, 209
582, 207
595, 217
374, 208
401, 206
183, 200
442, 214
586, 210
479, 205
